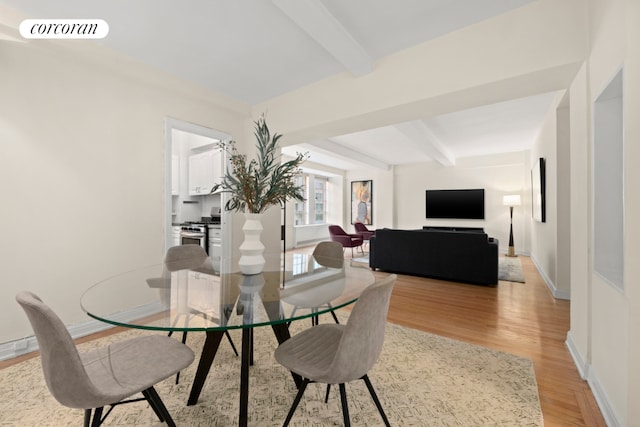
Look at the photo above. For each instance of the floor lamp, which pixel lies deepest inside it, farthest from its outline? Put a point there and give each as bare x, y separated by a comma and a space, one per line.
511, 201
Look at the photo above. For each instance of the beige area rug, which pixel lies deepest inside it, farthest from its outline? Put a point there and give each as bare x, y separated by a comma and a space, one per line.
421, 379
510, 269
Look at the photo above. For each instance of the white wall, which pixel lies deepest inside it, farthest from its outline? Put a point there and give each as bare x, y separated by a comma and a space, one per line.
605, 321
609, 315
399, 195
632, 198
544, 234
82, 170
563, 200
578, 336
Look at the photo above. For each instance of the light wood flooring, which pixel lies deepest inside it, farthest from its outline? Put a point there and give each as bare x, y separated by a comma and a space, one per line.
521, 319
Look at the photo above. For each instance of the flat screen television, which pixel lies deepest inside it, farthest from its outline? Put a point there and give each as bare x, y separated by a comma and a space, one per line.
455, 204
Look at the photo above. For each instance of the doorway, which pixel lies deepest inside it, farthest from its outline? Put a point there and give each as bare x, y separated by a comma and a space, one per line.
179, 206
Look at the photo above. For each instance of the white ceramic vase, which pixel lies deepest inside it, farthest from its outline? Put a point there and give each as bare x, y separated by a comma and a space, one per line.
251, 259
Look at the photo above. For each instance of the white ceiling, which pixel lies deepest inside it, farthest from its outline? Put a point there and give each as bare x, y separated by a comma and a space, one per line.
253, 50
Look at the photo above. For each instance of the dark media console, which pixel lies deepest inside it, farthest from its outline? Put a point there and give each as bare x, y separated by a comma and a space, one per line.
469, 229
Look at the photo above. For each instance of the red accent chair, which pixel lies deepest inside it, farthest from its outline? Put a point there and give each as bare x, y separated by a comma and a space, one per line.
347, 240
363, 231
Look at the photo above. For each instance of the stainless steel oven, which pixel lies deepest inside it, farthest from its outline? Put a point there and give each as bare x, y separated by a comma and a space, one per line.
194, 234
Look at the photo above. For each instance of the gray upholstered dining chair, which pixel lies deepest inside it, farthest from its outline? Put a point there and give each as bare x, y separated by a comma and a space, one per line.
327, 254
337, 354
184, 257
105, 376
191, 257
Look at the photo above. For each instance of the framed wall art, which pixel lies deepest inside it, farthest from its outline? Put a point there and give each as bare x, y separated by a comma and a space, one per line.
362, 202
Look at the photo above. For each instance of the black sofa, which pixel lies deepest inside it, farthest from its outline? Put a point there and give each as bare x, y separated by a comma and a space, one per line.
460, 255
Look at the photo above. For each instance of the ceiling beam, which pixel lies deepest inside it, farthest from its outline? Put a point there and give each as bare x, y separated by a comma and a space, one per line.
337, 150
314, 19
419, 133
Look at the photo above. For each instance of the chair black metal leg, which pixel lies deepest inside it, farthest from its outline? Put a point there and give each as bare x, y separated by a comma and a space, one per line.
345, 407
155, 401
335, 318
97, 415
326, 396
281, 331
152, 403
175, 322
231, 342
374, 396
87, 417
296, 401
184, 341
333, 313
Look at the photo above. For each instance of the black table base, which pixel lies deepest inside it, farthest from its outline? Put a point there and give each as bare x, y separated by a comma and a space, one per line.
211, 344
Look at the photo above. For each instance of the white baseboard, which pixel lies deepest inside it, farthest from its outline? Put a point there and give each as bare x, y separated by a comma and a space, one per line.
11, 349
578, 360
558, 294
588, 374
600, 395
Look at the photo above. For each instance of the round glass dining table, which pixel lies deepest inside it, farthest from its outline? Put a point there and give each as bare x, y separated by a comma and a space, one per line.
193, 294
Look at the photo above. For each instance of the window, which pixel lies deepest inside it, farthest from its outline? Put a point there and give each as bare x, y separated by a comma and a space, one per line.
313, 209
301, 208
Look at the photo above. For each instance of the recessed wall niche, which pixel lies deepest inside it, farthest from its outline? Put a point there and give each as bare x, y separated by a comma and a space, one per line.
608, 165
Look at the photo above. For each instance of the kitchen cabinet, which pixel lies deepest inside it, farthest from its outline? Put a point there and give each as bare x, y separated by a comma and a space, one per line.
201, 298
215, 246
199, 173
175, 235
205, 170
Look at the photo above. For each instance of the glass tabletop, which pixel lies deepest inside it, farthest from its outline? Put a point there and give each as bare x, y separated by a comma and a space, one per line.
192, 295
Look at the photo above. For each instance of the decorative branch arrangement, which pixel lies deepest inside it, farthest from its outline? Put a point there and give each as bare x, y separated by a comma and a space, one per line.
256, 185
